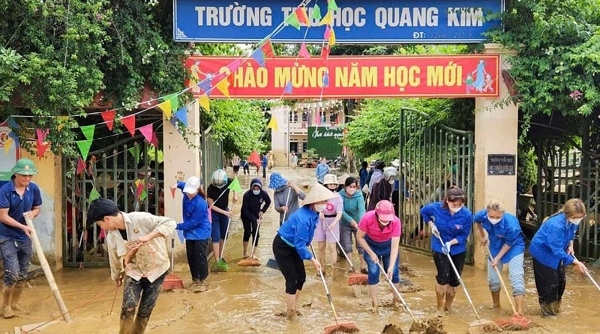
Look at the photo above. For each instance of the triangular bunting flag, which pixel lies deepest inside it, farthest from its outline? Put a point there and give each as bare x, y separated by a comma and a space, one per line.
332, 38
223, 87
235, 186
316, 13
147, 132
234, 65
84, 147
7, 145
80, 165
267, 49
166, 108
88, 131
129, 123
325, 52
327, 33
204, 102
62, 121
326, 20
41, 149
301, 15
135, 151
326, 79
154, 140
259, 57
289, 88
304, 51
174, 99
205, 85
173, 121
331, 5
292, 20
109, 118
181, 115
94, 195
14, 137
41, 135
12, 123
273, 123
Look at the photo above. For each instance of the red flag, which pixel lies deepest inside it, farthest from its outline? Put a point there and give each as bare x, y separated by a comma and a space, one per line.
302, 15
267, 49
41, 148
325, 52
154, 140
109, 118
80, 165
129, 123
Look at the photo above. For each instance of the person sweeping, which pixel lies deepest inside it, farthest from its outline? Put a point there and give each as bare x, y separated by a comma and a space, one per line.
255, 203
138, 258
196, 230
285, 197
379, 235
290, 245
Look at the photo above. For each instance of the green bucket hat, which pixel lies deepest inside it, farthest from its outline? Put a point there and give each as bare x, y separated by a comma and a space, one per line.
24, 167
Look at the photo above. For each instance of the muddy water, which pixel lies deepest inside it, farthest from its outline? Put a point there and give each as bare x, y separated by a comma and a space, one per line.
246, 299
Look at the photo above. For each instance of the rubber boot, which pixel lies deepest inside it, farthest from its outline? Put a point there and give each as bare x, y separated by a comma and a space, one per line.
7, 292
440, 293
519, 300
14, 303
126, 326
496, 299
139, 325
450, 293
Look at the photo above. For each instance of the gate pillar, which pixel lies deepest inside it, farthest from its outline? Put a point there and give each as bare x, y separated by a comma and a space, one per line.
496, 132
180, 158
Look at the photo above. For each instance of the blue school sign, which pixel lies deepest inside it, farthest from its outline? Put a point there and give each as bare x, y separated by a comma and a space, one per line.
354, 22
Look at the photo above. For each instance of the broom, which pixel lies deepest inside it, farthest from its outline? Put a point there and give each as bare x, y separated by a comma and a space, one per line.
338, 326
251, 261
172, 282
355, 278
517, 322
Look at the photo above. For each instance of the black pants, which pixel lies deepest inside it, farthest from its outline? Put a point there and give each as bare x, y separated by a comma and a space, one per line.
290, 264
197, 261
143, 293
246, 169
250, 230
445, 273
550, 284
264, 168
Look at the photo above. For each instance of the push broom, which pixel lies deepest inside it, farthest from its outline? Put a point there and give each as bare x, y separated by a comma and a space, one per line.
252, 261
220, 265
172, 281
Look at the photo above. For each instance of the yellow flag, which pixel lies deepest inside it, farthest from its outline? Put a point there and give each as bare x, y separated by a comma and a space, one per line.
62, 121
326, 20
166, 108
273, 124
7, 144
204, 102
223, 87
332, 38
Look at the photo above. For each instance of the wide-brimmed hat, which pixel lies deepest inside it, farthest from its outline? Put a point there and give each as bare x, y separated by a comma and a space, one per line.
318, 193
24, 167
330, 179
277, 181
343, 177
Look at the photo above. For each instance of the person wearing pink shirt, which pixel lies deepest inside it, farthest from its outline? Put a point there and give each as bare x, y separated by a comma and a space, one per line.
379, 236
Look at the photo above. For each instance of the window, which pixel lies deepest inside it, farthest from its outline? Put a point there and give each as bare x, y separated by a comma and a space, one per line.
293, 147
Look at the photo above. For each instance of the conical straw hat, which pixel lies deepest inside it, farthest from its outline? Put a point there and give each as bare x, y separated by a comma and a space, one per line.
318, 193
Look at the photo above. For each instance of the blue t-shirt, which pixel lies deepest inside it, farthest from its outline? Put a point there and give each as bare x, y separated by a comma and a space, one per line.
450, 226
549, 244
299, 230
507, 231
196, 225
17, 205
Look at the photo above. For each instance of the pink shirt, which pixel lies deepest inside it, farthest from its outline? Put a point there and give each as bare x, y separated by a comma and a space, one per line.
370, 226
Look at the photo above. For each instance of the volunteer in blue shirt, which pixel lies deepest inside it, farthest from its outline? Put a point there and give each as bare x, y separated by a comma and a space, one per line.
507, 246
451, 221
290, 246
552, 250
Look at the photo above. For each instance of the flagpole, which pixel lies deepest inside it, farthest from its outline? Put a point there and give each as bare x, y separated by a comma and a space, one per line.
289, 114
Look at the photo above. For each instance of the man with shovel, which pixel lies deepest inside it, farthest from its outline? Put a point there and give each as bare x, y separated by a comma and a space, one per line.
19, 199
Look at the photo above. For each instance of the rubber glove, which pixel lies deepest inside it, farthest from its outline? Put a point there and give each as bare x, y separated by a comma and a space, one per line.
434, 229
446, 247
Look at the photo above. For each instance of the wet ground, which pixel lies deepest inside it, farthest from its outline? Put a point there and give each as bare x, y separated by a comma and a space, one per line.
246, 299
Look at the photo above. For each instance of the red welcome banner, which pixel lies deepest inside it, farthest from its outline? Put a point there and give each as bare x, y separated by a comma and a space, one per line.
347, 77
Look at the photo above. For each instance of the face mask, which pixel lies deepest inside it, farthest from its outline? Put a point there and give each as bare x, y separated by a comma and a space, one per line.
320, 207
256, 192
350, 191
334, 189
455, 210
494, 221
575, 221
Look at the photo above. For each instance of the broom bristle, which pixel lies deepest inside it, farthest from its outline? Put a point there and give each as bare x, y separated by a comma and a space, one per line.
172, 282
341, 327
249, 262
357, 279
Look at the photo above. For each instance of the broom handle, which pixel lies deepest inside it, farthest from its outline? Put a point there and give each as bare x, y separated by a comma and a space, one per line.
510, 300
340, 245
286, 203
462, 284
225, 241
397, 292
335, 317
173, 237
254, 239
587, 272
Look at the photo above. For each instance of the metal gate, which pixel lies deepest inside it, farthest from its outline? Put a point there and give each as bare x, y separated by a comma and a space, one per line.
433, 158
129, 173
211, 155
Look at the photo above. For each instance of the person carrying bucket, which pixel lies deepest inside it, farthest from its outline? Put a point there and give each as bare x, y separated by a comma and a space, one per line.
290, 245
379, 235
218, 201
139, 258
285, 197
254, 204
328, 228
196, 230
502, 232
451, 222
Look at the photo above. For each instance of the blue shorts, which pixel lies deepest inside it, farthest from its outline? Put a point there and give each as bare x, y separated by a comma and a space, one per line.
219, 226
383, 250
